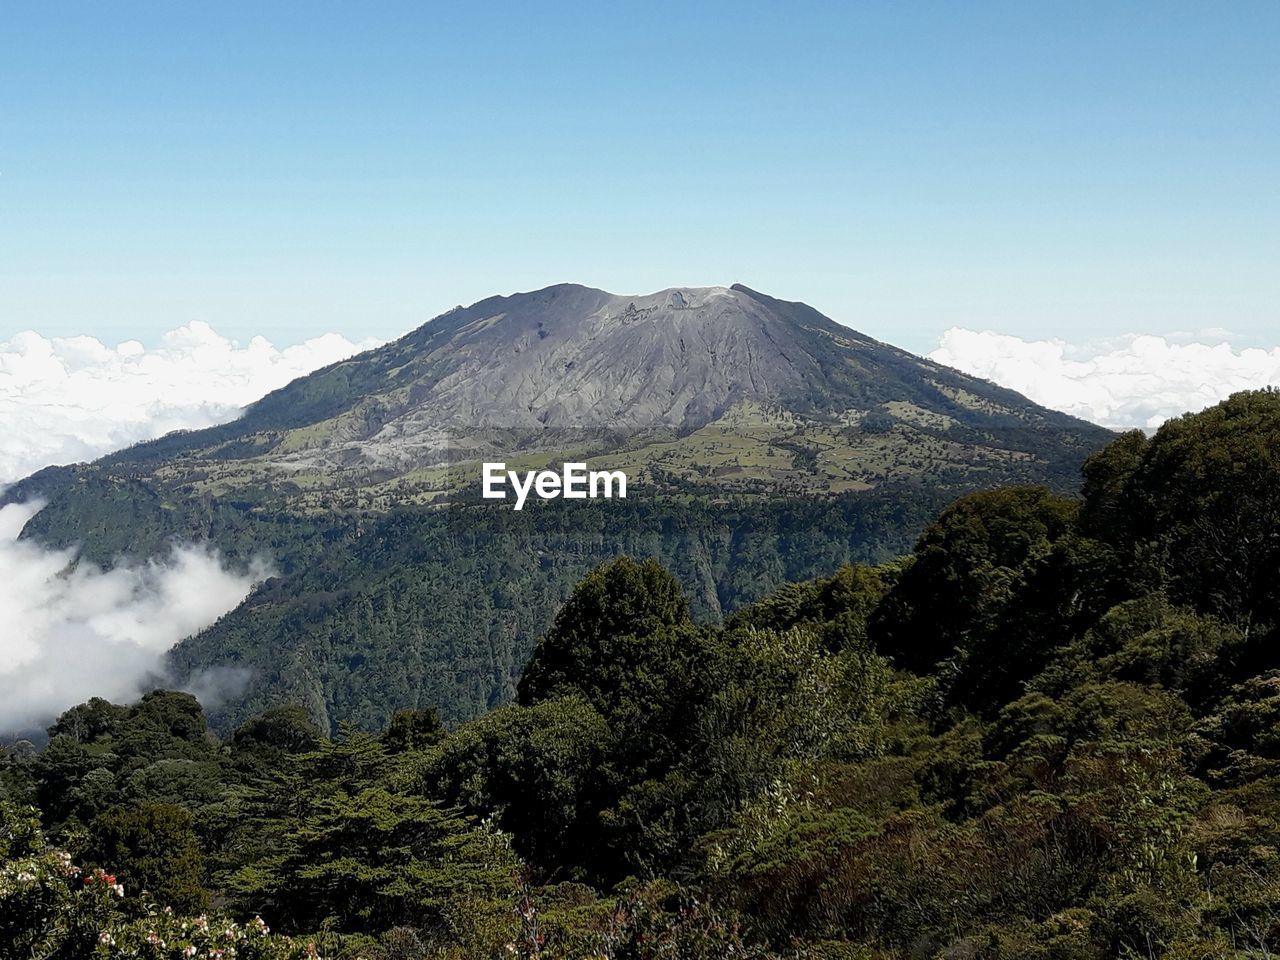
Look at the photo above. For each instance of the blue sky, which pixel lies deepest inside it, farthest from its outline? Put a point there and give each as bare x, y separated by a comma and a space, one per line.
1040, 168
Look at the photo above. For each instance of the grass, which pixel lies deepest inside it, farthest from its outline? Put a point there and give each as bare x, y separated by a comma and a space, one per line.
749, 449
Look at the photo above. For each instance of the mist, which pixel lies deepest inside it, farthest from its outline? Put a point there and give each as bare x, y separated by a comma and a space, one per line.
70, 630
1125, 383
66, 399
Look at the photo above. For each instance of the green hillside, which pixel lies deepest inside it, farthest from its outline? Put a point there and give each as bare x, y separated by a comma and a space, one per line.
723, 387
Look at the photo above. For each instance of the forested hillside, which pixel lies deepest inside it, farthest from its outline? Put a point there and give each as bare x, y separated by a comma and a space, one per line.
1048, 732
441, 609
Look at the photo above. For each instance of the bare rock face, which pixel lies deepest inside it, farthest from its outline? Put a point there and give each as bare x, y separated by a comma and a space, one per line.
571, 357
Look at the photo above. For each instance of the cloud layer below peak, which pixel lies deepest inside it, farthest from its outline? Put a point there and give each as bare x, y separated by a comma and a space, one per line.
63, 400
1132, 381
73, 630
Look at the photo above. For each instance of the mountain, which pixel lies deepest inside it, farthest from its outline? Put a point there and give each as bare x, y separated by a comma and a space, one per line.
570, 357
763, 443
720, 384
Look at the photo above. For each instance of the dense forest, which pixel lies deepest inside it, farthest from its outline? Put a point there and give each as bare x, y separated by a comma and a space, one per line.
441, 609
1048, 732
425, 607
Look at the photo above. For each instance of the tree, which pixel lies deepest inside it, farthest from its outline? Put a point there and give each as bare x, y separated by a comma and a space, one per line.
592, 647
413, 730
965, 569
839, 606
1203, 504
536, 771
277, 732
102, 755
171, 714
53, 909
353, 849
152, 847
264, 743
89, 721
1106, 513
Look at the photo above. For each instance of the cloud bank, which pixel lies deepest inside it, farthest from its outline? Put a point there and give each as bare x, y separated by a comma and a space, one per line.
63, 400
74, 631
1135, 381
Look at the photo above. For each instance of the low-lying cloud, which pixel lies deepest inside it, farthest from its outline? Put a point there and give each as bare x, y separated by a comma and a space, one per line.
73, 631
1134, 381
63, 400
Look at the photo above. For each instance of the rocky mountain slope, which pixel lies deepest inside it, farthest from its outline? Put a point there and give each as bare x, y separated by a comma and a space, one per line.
572, 357
721, 386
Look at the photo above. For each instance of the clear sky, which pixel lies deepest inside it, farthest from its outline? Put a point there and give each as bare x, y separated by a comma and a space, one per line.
1065, 169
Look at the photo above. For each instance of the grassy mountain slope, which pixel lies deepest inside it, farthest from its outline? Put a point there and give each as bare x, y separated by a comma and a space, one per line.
738, 389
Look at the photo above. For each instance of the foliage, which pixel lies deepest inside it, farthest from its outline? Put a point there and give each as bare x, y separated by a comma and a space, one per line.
1050, 732
603, 636
351, 852
530, 768
966, 571
53, 909
421, 607
153, 847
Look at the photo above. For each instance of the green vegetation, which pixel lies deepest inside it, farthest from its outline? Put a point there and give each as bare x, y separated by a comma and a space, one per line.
424, 608
1049, 732
767, 396
399, 586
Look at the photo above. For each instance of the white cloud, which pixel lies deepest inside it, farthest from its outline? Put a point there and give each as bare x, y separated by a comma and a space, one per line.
1133, 381
73, 631
64, 400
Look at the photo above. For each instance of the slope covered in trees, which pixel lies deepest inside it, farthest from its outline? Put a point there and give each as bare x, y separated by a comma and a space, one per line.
1049, 732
